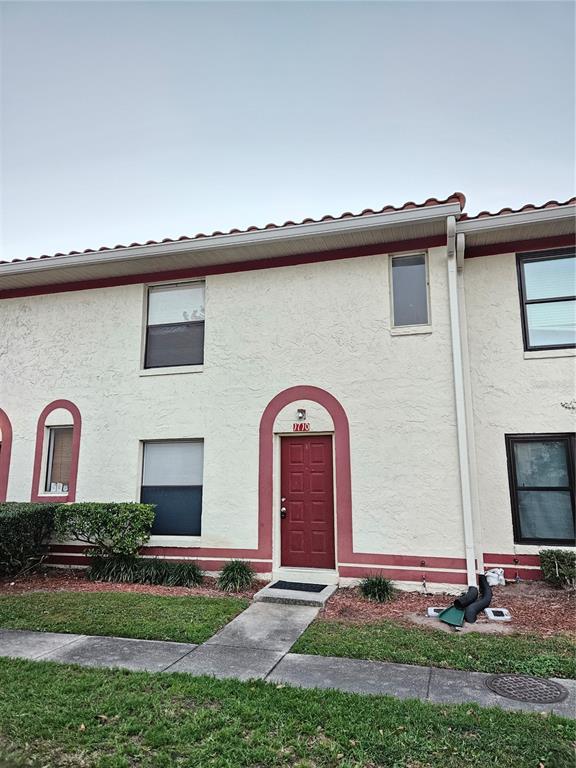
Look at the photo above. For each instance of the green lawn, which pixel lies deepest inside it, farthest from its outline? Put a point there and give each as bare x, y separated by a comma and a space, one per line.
61, 715
124, 614
387, 641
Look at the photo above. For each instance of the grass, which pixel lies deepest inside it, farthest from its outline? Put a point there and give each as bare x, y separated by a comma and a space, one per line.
388, 641
62, 715
124, 614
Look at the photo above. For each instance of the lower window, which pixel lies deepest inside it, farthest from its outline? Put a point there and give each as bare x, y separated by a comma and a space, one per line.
541, 471
59, 459
172, 480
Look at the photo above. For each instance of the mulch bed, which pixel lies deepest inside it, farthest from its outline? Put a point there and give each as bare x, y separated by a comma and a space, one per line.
536, 608
75, 581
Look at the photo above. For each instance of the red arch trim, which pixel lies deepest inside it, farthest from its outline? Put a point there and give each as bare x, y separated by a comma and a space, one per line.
36, 494
5, 453
342, 465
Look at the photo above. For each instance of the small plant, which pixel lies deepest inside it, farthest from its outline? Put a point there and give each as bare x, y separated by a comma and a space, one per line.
377, 588
24, 530
236, 576
110, 528
559, 567
125, 569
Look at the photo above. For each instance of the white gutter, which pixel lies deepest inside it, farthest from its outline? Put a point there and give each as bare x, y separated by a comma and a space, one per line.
247, 239
505, 220
460, 397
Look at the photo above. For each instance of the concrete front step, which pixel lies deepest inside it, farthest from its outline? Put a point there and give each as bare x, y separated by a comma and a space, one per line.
294, 596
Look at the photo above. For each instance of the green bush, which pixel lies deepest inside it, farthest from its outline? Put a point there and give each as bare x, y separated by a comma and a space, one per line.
24, 530
141, 570
377, 588
236, 576
559, 567
110, 528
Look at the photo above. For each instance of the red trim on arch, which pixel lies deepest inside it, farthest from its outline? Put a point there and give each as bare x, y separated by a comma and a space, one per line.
36, 495
5, 453
341, 461
219, 269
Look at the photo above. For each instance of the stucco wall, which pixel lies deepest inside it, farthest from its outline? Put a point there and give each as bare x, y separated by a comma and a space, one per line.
513, 391
325, 325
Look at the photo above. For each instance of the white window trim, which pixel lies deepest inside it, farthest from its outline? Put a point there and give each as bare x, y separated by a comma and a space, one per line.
173, 368
409, 330
536, 354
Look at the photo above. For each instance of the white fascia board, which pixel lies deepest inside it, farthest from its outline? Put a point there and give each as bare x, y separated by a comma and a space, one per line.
505, 220
297, 231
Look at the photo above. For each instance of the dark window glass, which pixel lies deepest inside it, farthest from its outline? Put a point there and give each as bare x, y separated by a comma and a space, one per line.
409, 290
172, 480
175, 332
542, 488
548, 297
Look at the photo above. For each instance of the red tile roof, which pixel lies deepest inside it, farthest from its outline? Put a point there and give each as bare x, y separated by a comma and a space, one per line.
456, 197
527, 207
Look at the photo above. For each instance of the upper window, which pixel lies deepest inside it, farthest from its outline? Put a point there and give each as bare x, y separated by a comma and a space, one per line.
59, 463
409, 290
548, 296
541, 471
175, 330
172, 480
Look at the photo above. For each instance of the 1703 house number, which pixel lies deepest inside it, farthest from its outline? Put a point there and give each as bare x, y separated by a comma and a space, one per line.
301, 426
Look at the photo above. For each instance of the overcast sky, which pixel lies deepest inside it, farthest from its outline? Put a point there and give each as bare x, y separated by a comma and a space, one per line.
126, 121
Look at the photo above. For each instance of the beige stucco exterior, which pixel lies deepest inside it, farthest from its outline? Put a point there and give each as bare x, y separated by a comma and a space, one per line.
513, 392
325, 325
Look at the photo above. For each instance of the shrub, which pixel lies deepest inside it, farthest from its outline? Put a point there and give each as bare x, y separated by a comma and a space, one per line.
24, 529
236, 576
141, 570
111, 528
377, 588
559, 567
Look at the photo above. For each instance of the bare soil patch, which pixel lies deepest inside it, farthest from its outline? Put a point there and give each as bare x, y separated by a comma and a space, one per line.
536, 609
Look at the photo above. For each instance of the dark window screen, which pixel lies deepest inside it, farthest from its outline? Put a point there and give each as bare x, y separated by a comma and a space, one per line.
178, 509
174, 344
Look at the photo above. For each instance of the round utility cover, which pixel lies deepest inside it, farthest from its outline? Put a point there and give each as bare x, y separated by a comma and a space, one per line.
536, 690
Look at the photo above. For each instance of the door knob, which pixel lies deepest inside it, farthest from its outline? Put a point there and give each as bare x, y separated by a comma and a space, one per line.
282, 512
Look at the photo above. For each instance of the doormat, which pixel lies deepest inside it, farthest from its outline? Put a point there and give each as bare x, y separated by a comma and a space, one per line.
298, 586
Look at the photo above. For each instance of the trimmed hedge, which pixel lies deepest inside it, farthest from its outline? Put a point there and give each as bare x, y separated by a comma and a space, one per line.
559, 567
142, 570
24, 530
110, 528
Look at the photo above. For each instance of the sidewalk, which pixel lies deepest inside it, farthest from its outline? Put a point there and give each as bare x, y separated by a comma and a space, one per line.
255, 645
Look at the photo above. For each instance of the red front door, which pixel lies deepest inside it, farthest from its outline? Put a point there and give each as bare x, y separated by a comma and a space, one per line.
307, 524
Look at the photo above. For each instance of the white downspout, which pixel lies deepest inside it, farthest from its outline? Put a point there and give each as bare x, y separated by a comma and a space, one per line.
459, 393
473, 462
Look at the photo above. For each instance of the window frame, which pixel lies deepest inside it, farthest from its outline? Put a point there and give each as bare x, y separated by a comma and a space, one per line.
511, 439
178, 367
532, 256
50, 455
413, 327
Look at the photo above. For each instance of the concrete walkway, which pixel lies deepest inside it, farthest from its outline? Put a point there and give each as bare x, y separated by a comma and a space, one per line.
255, 645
